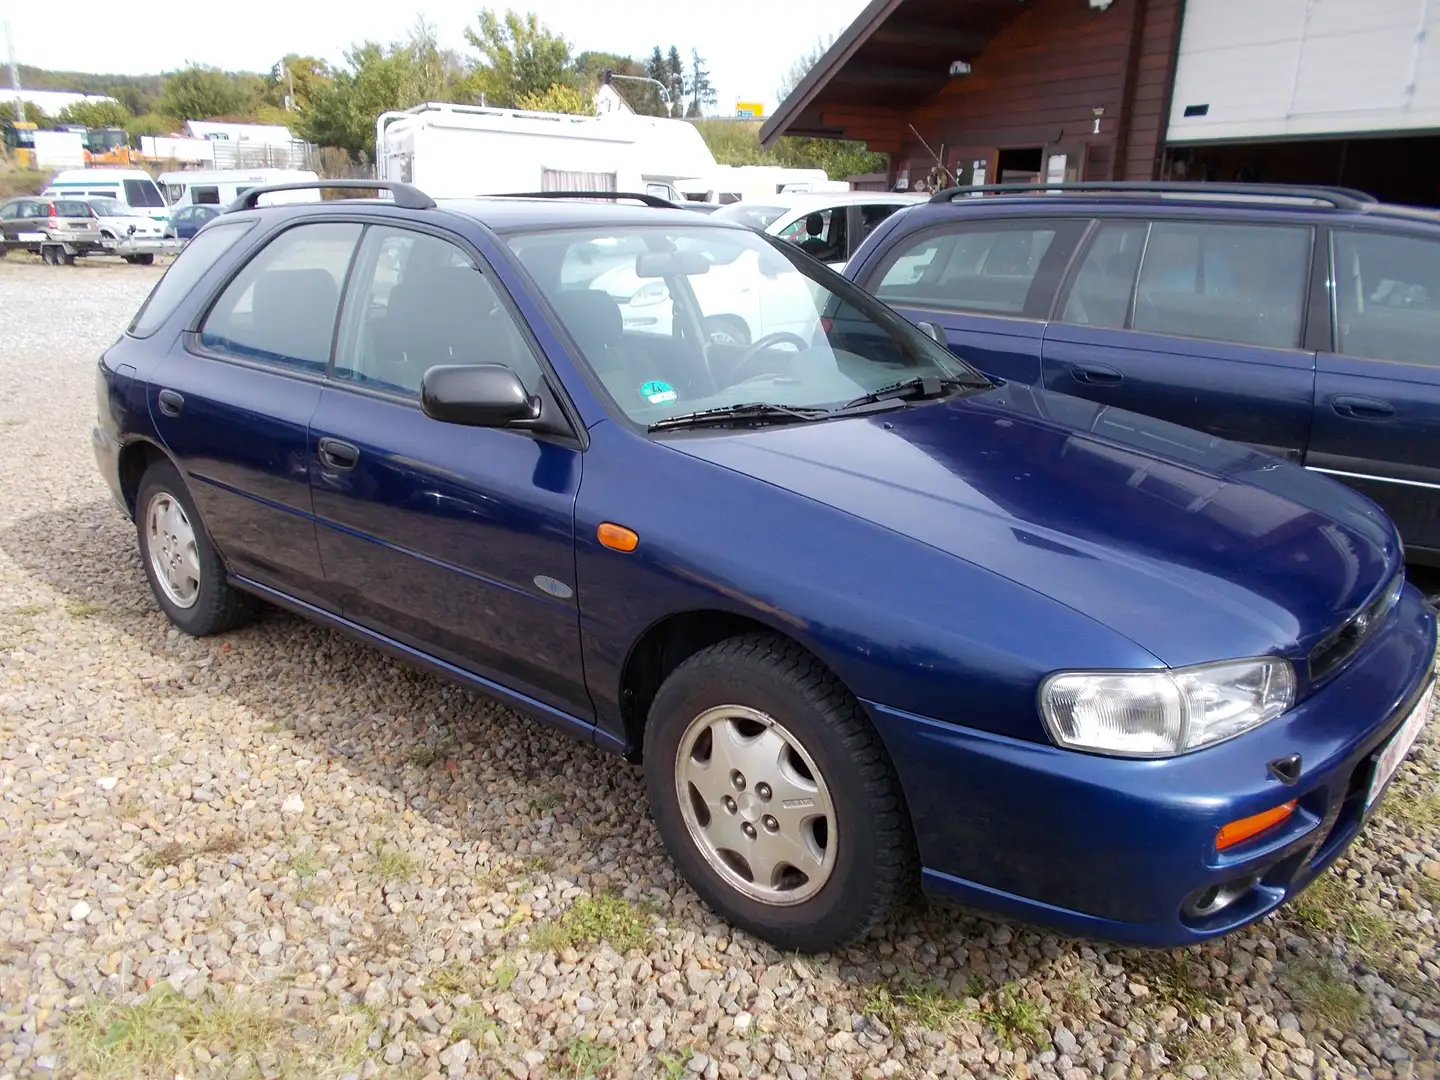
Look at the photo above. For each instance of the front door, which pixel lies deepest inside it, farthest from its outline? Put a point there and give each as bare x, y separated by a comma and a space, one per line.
233, 404
456, 541
1209, 336
1377, 396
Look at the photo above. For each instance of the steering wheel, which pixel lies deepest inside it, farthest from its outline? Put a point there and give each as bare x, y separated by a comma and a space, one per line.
780, 337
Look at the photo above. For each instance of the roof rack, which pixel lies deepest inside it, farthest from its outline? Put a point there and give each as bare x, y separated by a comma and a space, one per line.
1338, 197
648, 200
405, 196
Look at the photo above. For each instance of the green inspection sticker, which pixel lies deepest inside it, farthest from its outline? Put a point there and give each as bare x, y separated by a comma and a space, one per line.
657, 392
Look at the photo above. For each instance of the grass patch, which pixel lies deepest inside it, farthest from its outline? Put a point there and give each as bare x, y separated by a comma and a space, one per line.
171, 854
1428, 890
25, 611
927, 1006
1174, 978
433, 753
471, 1023
1016, 1019
161, 1034
305, 864
1330, 908
550, 800
81, 610
591, 920
1408, 805
675, 1067
503, 976
1207, 1049
129, 808
1330, 998
395, 866
583, 1058
388, 940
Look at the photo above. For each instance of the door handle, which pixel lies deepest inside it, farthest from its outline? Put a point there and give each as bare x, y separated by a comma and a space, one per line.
1362, 408
171, 402
1095, 374
339, 455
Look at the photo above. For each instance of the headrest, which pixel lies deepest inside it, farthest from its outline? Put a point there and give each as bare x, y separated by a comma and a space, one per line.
592, 317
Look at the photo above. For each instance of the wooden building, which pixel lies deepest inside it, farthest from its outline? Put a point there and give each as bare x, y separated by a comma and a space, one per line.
970, 91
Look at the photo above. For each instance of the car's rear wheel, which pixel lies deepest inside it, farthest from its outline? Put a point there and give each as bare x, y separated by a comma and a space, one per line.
181, 564
143, 260
775, 796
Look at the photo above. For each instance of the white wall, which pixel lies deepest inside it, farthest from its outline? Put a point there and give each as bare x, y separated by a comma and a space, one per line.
1276, 68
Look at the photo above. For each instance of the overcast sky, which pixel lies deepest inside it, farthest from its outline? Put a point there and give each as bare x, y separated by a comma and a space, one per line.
749, 44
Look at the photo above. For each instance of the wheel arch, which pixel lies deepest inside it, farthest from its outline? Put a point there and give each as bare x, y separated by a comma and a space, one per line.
136, 457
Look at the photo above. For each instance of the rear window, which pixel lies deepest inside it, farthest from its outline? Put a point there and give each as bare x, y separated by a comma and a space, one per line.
188, 268
72, 208
143, 193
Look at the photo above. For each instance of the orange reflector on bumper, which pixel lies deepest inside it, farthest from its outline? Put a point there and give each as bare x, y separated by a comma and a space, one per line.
617, 537
1239, 831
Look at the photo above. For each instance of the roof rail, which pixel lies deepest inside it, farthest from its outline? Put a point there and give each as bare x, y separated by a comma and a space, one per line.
1338, 197
406, 196
648, 200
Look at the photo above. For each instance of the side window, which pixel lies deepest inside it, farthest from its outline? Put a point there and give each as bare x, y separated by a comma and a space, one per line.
416, 301
205, 196
142, 193
281, 307
986, 269
873, 215
1387, 297
189, 267
821, 234
1240, 283
10, 211
1100, 295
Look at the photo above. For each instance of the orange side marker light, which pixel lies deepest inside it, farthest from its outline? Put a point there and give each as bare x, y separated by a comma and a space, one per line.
617, 537
1238, 832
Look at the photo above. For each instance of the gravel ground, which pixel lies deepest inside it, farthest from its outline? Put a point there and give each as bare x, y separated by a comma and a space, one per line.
278, 853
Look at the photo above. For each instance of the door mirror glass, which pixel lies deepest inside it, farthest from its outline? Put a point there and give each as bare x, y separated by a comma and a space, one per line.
478, 395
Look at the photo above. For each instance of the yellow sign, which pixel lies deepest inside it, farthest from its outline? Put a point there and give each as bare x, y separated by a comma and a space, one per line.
750, 108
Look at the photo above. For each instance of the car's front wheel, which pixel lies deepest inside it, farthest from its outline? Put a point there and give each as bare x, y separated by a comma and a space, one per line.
181, 564
775, 797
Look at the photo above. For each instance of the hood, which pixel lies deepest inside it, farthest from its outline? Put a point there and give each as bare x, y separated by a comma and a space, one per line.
1195, 548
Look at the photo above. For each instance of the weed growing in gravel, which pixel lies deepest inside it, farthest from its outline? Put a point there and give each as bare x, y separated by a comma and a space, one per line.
1428, 890
504, 975
450, 980
128, 809
1332, 999
1408, 804
675, 1067
1207, 1049
1329, 907
170, 854
584, 1059
82, 610
927, 1006
1016, 1019
1175, 980
305, 864
395, 866
387, 940
591, 920
550, 800
25, 611
471, 1023
159, 1036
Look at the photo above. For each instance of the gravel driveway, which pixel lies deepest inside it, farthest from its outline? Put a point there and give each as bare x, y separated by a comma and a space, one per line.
278, 853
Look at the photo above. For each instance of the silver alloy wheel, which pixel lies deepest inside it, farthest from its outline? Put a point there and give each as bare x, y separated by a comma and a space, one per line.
174, 557
756, 805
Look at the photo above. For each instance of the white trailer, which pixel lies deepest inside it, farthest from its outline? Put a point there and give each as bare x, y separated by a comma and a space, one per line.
748, 183
454, 151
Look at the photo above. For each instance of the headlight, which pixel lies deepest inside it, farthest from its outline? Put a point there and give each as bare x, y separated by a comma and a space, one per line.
1162, 713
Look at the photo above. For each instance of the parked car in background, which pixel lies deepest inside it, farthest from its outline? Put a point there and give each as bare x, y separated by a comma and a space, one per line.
870, 619
219, 188
185, 221
828, 226
1303, 322
134, 237
58, 230
133, 187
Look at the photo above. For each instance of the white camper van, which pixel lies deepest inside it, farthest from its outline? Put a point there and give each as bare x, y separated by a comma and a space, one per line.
453, 151
133, 187
221, 187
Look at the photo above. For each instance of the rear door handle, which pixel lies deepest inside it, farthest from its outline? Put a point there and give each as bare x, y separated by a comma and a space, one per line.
171, 402
1362, 408
339, 455
1095, 374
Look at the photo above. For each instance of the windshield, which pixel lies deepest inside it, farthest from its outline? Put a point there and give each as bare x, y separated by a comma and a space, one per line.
675, 319
110, 207
752, 214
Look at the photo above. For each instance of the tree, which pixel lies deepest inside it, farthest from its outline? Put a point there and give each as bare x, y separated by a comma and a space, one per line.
518, 56
802, 66
590, 68
96, 114
132, 98
738, 143
558, 98
37, 116
200, 93
295, 79
700, 89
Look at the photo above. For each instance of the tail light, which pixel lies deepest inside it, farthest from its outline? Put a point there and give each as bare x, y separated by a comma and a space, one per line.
54, 222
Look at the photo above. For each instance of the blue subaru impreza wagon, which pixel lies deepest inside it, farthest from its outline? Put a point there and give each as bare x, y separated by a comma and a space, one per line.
870, 619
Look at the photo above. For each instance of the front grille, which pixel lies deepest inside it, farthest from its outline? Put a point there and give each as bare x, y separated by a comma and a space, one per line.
1342, 644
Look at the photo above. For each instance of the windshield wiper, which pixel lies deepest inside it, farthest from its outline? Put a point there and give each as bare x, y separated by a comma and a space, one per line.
918, 388
752, 412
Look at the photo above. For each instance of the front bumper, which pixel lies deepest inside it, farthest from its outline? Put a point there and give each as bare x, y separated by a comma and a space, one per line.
142, 245
1114, 849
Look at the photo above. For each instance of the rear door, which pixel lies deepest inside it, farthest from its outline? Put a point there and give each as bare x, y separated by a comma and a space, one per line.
1195, 322
988, 282
1377, 395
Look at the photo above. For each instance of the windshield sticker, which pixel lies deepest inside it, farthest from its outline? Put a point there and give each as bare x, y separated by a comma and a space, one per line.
657, 392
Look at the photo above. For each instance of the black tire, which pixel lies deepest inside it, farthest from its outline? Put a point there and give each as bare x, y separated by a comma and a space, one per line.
875, 865
129, 259
65, 258
47, 255
730, 329
143, 260
217, 606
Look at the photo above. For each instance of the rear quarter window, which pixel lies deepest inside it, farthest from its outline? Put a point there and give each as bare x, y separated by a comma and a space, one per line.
203, 252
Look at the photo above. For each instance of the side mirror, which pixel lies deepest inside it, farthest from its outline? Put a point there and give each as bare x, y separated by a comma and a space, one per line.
935, 333
477, 395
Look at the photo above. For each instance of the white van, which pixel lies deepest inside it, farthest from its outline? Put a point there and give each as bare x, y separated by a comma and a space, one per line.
133, 187
221, 187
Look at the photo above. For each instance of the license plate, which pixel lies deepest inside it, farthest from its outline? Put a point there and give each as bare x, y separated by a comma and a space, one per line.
1395, 751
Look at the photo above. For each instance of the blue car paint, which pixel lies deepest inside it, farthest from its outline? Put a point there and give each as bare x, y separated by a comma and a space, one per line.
1280, 400
936, 558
